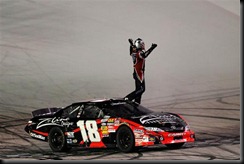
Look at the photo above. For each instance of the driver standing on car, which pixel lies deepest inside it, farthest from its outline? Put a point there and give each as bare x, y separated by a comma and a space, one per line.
138, 54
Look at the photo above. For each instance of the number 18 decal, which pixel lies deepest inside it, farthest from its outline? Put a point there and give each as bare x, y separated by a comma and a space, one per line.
92, 130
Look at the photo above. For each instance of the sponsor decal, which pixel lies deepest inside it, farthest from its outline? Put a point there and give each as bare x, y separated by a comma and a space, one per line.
110, 123
152, 139
103, 128
111, 127
138, 135
49, 121
70, 134
103, 124
116, 122
37, 136
104, 120
175, 134
111, 120
66, 123
138, 140
69, 141
145, 139
155, 129
111, 130
160, 119
104, 132
177, 141
138, 131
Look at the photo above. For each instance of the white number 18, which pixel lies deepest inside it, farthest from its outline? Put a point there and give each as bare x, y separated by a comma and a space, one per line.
92, 130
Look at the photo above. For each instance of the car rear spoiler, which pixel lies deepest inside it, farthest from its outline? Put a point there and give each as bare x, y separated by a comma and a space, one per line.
45, 111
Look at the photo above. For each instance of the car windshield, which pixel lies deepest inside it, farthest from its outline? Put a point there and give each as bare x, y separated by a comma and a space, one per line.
125, 109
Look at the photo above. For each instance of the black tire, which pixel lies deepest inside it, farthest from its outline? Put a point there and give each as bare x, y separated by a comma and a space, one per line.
175, 145
125, 139
57, 140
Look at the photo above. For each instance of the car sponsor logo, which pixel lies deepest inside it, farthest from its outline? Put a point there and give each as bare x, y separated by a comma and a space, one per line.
138, 140
152, 139
105, 132
104, 128
138, 131
145, 139
70, 134
111, 120
138, 135
116, 122
104, 120
69, 141
111, 127
155, 129
48, 121
105, 135
37, 136
160, 119
66, 123
111, 130
175, 134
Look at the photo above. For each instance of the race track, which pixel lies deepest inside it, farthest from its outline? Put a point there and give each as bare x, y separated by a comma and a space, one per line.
56, 52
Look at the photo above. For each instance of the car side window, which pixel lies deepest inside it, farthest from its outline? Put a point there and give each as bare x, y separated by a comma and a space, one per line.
65, 112
119, 111
91, 112
110, 112
75, 111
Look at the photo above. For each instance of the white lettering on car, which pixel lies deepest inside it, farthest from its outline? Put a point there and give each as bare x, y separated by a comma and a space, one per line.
92, 130
37, 136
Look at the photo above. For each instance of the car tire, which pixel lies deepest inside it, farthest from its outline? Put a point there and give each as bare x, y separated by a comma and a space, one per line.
57, 140
125, 139
175, 145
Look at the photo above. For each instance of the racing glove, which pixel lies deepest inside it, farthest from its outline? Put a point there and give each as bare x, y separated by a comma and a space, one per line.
130, 41
154, 45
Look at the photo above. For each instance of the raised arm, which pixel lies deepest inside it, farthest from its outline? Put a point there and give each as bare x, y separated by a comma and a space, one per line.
146, 53
132, 46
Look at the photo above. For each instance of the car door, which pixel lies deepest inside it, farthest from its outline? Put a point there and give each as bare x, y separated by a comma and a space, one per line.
86, 126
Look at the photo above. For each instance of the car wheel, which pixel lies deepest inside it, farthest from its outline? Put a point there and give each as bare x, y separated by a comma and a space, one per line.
125, 139
175, 145
57, 140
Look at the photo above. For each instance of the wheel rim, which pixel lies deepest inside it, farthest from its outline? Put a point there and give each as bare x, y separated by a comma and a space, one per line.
57, 140
125, 140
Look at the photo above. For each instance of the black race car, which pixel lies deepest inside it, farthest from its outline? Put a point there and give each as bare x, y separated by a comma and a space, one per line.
106, 123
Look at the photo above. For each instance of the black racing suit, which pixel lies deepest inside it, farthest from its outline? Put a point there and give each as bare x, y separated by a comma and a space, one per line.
139, 57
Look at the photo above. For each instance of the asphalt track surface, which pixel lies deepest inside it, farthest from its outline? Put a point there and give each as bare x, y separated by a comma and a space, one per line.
55, 52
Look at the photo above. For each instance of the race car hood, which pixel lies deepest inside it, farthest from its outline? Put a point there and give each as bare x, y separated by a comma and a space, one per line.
164, 121
45, 112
